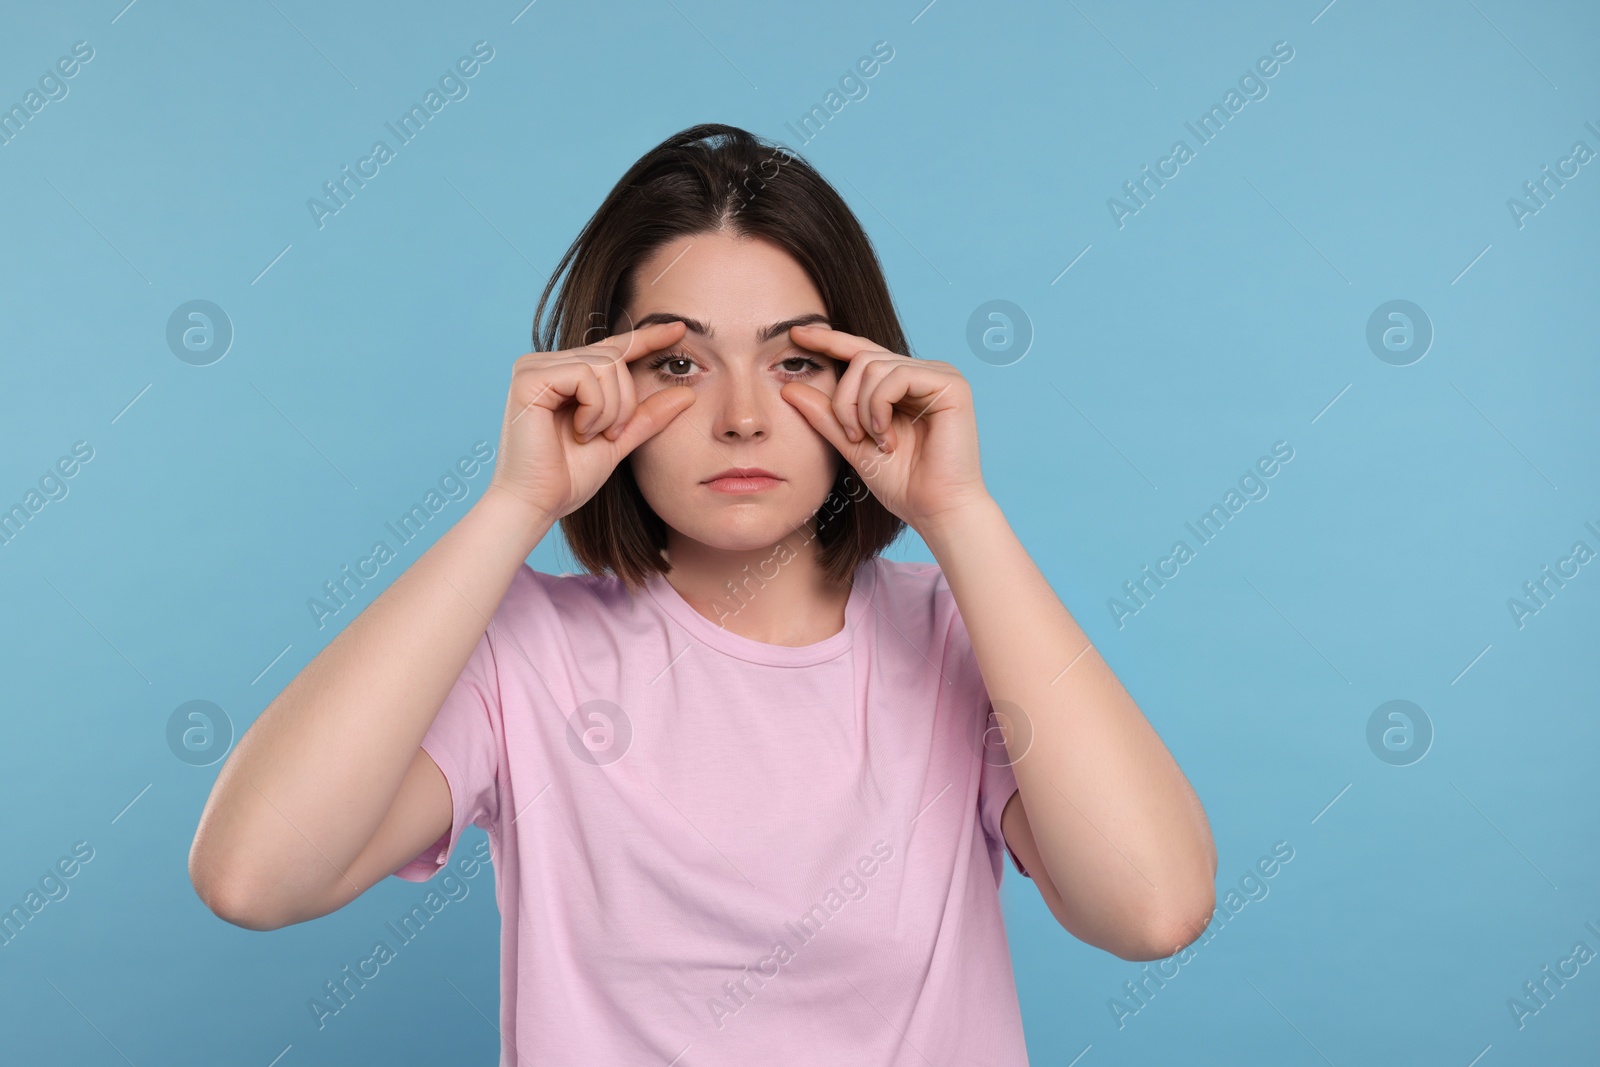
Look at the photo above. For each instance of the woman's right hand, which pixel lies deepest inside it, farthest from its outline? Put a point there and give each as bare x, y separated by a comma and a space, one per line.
572, 416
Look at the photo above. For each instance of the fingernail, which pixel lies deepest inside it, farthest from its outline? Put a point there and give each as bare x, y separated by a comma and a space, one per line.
877, 424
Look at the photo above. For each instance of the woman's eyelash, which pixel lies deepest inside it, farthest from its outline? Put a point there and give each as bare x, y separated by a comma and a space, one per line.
658, 361
661, 360
811, 364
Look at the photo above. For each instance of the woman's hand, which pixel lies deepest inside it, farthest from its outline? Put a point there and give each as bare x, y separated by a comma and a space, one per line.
572, 416
926, 471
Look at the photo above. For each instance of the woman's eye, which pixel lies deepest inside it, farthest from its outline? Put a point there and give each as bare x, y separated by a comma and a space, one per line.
807, 365
680, 366
660, 363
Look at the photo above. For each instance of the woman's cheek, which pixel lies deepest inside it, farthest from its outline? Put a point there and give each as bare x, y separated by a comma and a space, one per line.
647, 475
670, 451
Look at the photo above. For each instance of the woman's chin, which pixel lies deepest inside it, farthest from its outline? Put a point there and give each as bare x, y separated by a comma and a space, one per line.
754, 533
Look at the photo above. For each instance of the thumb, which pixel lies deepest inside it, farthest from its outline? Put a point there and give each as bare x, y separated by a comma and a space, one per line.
652, 416
817, 408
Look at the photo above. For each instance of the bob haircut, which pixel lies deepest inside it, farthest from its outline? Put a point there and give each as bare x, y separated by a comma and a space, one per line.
716, 178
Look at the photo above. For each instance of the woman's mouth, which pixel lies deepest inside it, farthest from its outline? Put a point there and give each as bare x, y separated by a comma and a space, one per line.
742, 480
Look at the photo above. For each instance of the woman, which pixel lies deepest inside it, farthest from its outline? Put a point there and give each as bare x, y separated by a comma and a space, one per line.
743, 784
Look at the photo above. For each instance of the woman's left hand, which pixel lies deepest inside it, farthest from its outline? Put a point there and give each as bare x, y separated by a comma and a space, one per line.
927, 470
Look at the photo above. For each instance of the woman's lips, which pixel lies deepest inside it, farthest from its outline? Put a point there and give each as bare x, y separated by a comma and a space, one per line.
740, 480
738, 485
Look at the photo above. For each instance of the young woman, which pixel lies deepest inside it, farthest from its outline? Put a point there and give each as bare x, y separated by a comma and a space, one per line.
748, 784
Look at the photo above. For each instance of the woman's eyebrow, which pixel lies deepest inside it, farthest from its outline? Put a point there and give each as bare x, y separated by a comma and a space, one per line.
766, 333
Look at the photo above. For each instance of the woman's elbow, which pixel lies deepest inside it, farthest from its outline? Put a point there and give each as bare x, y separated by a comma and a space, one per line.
228, 903
228, 897
1168, 932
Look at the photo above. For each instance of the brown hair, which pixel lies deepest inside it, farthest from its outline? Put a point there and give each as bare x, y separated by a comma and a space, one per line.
714, 177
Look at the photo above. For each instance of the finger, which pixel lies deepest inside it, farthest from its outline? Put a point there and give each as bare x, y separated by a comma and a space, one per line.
606, 375
916, 386
871, 409
652, 416
590, 395
858, 353
845, 391
628, 403
552, 387
844, 409
817, 409
854, 386
836, 343
635, 344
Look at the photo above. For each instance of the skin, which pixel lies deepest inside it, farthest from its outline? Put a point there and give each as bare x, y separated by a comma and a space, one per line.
739, 418
329, 792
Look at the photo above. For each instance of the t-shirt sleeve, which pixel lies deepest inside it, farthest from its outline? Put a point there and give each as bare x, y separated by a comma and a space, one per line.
995, 786
464, 741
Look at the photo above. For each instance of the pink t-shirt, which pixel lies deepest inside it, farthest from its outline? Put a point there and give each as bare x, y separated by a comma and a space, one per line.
712, 850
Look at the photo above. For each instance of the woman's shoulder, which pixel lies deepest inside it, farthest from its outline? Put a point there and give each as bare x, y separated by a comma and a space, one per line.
566, 599
917, 598
912, 576
912, 588
567, 590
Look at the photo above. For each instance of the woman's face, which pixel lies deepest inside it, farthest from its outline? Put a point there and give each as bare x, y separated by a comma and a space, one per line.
732, 292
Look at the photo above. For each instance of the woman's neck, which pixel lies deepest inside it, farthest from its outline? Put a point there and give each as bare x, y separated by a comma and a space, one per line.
778, 595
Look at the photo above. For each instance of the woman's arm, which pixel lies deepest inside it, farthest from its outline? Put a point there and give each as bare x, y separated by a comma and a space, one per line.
329, 790
1120, 847
312, 781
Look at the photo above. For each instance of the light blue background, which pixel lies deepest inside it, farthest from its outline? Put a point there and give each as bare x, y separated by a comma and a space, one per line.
1223, 317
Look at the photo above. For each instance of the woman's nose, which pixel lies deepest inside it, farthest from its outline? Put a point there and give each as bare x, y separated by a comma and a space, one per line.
744, 404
